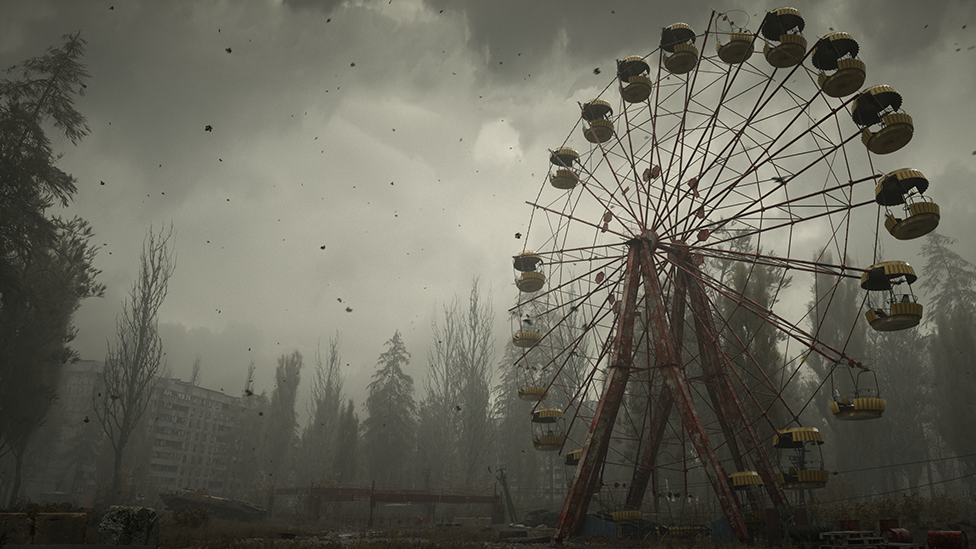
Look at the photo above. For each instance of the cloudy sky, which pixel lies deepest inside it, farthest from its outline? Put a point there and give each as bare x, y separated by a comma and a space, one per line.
377, 156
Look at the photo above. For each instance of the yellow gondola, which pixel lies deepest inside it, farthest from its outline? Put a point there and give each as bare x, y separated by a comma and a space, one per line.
526, 339
745, 479
887, 310
803, 472
906, 187
678, 48
597, 127
528, 277
841, 73
864, 403
738, 48
879, 105
532, 393
546, 437
564, 177
635, 85
786, 46
857, 408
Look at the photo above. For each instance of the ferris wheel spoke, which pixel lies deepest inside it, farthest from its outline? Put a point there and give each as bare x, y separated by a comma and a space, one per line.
770, 317
726, 189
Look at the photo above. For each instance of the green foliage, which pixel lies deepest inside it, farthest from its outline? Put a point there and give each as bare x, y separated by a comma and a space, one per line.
389, 433
41, 93
953, 355
192, 517
948, 278
46, 263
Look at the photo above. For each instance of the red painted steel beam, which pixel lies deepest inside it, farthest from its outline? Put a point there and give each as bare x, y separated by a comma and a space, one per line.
598, 439
709, 353
718, 362
683, 399
658, 422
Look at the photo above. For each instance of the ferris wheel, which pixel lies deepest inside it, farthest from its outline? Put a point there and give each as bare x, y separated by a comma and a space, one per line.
662, 318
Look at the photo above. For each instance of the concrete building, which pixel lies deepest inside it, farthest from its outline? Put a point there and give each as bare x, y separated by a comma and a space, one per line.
190, 429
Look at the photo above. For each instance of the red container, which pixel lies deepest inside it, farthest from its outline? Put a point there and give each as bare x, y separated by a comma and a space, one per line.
897, 535
850, 525
947, 539
887, 524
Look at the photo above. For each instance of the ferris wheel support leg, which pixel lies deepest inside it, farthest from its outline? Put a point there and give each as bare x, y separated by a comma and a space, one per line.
657, 423
715, 362
683, 399
598, 438
642, 473
730, 422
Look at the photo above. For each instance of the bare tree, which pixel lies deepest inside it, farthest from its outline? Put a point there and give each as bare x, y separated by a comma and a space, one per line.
456, 432
195, 373
134, 364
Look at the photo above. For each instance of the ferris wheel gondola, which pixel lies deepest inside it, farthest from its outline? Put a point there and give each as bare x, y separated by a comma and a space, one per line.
905, 187
658, 229
865, 401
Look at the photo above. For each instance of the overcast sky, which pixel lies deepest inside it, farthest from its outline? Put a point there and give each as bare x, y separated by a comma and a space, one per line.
377, 156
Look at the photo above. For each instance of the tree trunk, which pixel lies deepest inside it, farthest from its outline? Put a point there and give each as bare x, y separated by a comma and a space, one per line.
117, 473
18, 453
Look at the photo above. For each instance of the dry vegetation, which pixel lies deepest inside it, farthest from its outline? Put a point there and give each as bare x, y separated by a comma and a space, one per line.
911, 510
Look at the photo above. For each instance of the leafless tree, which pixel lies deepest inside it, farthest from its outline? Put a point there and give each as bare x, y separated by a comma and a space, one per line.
134, 365
456, 415
195, 373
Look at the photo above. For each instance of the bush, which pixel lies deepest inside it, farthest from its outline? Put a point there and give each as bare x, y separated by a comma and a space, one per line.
192, 517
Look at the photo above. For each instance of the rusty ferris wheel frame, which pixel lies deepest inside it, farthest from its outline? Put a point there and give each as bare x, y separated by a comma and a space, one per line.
710, 150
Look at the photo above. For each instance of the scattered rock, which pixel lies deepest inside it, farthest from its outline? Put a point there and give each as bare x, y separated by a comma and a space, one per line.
129, 526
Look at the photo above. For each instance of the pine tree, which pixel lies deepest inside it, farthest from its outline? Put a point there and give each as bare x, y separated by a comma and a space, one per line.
904, 377
950, 281
751, 343
839, 323
953, 352
35, 334
45, 262
389, 432
42, 96
947, 277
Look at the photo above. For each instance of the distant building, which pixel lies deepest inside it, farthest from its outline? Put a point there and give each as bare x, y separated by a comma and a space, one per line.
189, 428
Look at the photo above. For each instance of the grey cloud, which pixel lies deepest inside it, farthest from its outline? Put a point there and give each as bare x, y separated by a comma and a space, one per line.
325, 6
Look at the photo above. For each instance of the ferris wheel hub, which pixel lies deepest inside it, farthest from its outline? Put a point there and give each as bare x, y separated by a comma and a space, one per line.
651, 237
